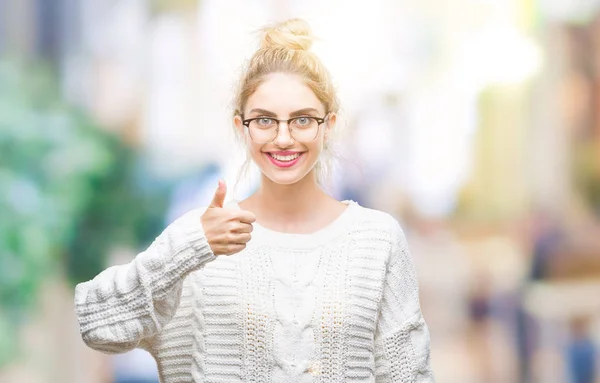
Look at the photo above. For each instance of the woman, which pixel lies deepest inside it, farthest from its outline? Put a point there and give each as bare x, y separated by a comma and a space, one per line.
288, 285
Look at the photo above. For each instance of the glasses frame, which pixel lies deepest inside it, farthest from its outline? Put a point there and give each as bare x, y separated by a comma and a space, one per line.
320, 121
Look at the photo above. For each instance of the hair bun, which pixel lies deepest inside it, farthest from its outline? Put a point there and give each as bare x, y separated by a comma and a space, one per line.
293, 34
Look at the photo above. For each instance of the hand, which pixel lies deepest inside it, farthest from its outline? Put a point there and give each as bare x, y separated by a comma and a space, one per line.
227, 230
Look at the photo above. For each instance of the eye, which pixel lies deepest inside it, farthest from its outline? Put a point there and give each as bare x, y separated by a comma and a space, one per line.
303, 121
265, 121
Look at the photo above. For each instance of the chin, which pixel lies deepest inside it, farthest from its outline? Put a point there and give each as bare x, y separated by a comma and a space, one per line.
281, 178
288, 176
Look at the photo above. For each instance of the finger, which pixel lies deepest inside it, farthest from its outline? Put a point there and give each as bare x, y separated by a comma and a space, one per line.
241, 238
242, 228
245, 216
236, 248
238, 239
220, 194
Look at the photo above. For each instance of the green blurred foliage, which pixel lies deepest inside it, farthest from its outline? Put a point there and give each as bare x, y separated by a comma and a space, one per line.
69, 193
586, 171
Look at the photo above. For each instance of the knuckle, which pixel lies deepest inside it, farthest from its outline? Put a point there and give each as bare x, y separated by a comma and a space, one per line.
232, 215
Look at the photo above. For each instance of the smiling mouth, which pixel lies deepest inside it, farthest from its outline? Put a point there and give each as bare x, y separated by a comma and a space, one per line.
287, 158
284, 161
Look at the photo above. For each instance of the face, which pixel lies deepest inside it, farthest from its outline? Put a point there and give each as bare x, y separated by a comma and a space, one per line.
283, 96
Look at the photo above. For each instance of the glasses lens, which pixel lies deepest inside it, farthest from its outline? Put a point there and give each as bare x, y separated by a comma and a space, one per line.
304, 129
263, 130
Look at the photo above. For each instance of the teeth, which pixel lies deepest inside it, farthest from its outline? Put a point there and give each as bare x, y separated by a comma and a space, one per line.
285, 158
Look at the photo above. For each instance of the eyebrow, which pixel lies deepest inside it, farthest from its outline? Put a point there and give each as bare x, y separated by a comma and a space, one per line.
301, 112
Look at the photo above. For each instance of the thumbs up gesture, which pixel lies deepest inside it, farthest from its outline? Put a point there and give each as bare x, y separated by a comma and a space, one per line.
227, 230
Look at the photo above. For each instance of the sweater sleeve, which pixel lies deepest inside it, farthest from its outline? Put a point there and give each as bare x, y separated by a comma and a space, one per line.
124, 306
402, 337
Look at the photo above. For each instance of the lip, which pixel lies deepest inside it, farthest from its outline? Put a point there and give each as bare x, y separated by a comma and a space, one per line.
281, 164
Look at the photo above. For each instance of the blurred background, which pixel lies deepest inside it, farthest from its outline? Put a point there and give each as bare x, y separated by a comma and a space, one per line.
476, 123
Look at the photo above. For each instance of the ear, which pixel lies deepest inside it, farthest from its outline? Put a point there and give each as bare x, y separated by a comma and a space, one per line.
239, 126
330, 124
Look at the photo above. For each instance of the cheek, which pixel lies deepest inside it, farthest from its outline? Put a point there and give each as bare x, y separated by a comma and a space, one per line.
254, 149
319, 144
317, 147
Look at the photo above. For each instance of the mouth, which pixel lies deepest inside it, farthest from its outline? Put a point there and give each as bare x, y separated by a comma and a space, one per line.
284, 160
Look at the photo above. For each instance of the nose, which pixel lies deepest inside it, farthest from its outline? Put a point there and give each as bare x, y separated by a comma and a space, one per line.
284, 137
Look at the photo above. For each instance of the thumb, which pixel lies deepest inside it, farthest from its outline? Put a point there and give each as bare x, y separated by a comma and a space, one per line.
219, 197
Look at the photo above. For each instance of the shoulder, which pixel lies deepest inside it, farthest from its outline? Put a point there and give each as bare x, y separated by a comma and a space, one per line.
383, 230
398, 257
378, 219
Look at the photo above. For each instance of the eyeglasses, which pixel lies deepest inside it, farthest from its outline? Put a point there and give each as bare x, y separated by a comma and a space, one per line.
265, 129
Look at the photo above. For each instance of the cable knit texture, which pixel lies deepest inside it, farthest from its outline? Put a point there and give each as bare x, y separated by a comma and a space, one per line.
338, 305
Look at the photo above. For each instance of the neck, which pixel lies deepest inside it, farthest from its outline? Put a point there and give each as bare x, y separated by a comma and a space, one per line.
295, 201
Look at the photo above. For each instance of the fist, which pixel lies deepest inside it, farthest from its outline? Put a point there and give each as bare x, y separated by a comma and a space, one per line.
227, 230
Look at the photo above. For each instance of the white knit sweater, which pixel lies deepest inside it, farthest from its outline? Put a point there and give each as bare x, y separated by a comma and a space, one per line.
338, 305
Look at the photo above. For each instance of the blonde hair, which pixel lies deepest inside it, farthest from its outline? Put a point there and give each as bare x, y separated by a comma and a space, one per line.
285, 48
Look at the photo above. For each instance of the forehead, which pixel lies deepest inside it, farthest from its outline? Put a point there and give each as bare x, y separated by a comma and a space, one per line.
283, 93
